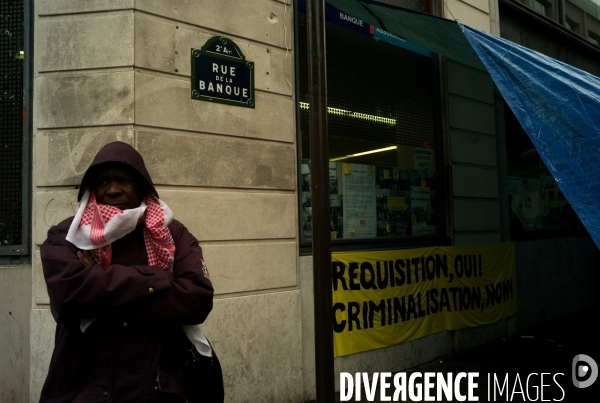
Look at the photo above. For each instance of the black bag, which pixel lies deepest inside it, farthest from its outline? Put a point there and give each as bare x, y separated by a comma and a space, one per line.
203, 376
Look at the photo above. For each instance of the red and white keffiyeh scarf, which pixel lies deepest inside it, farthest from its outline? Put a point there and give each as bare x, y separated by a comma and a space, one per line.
96, 226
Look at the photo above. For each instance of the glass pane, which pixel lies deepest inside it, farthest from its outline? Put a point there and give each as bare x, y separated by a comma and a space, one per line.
381, 137
535, 201
541, 7
583, 18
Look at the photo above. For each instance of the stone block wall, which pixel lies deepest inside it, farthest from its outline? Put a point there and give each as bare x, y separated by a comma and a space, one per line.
15, 293
472, 155
120, 70
475, 201
480, 14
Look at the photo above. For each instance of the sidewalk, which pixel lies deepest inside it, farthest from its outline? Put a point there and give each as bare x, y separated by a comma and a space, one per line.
548, 348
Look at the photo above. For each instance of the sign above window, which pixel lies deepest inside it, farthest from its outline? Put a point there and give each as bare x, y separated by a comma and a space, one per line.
221, 73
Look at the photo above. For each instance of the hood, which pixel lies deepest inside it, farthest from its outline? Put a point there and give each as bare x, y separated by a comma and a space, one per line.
117, 152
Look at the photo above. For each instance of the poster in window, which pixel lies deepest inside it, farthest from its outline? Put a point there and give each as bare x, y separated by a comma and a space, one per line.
335, 203
525, 202
422, 212
306, 204
359, 207
423, 159
393, 202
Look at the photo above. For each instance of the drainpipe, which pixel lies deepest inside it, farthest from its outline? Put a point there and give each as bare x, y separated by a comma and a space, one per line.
321, 230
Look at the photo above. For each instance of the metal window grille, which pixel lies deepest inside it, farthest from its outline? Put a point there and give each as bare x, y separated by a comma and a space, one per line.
11, 130
375, 79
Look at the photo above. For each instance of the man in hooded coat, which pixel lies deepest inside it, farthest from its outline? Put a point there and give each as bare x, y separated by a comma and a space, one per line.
123, 277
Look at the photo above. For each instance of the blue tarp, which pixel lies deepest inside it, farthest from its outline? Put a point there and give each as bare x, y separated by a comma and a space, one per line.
556, 104
559, 108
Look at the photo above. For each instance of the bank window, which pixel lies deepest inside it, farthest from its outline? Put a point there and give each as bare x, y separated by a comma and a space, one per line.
383, 143
537, 207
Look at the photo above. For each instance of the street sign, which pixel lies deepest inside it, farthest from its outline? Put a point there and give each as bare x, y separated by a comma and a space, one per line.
221, 73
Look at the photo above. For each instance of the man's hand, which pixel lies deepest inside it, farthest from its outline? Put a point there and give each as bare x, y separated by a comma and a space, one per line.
86, 258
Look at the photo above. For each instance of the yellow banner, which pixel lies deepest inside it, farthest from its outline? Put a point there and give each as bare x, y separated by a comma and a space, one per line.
383, 298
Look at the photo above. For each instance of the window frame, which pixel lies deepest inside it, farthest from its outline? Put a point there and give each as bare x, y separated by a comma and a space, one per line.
557, 21
27, 128
338, 245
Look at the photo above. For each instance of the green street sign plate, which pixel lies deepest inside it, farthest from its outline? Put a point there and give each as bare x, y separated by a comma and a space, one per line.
221, 73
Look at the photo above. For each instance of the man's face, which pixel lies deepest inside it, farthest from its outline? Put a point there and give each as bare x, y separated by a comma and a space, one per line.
118, 185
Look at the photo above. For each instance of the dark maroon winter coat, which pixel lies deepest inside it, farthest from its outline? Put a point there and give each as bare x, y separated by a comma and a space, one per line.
133, 351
